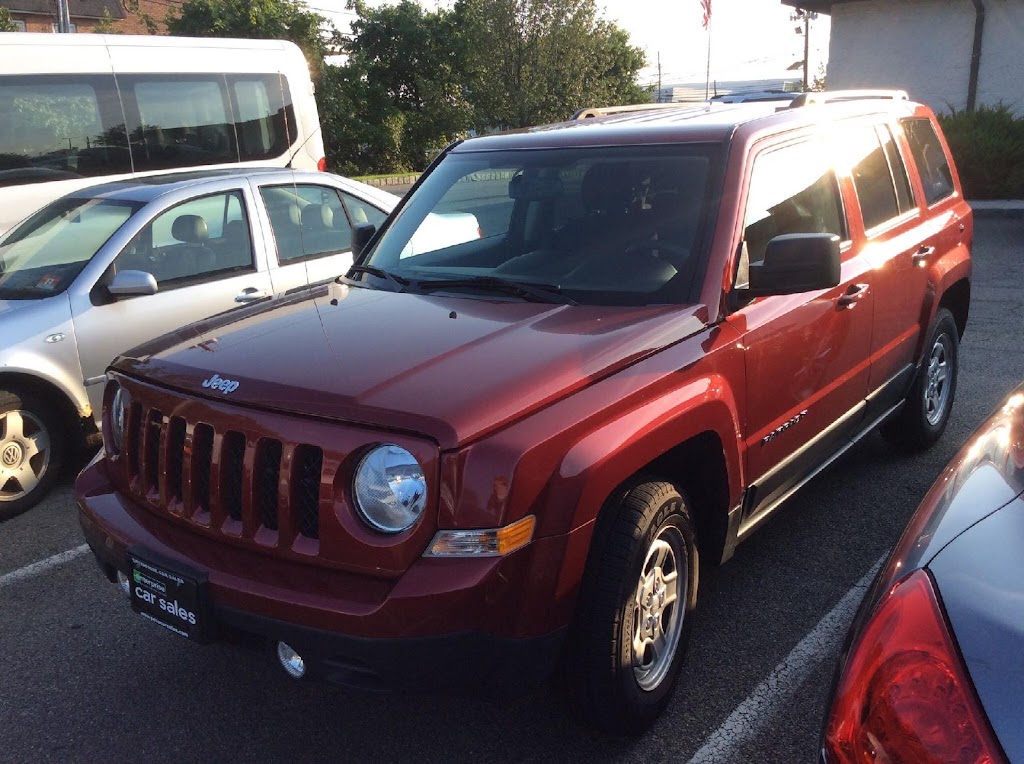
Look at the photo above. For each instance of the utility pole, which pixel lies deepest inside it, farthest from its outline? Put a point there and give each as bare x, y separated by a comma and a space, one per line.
63, 17
659, 76
806, 17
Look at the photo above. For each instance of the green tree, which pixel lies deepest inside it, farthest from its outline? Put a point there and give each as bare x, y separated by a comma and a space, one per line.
6, 22
259, 19
536, 61
409, 63
363, 129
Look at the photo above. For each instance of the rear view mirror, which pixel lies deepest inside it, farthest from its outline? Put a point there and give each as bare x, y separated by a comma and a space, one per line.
796, 262
127, 283
361, 235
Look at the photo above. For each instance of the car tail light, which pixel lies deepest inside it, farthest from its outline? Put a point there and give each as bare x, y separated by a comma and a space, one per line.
904, 695
321, 164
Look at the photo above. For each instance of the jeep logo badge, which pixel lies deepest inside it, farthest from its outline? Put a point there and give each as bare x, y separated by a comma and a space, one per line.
226, 386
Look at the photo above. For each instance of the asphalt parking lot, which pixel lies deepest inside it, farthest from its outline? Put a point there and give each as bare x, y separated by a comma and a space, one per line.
84, 679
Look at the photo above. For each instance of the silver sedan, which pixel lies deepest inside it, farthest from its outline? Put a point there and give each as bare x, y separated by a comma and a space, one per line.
108, 267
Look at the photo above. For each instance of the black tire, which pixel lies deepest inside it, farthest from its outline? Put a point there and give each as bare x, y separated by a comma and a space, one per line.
925, 414
605, 689
28, 424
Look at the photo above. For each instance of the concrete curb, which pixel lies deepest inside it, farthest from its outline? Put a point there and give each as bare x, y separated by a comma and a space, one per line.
998, 208
396, 180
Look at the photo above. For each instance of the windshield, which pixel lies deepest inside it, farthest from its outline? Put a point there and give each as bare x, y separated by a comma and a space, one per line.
599, 226
43, 255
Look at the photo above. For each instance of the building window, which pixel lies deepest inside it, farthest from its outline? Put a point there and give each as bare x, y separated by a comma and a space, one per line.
74, 27
19, 25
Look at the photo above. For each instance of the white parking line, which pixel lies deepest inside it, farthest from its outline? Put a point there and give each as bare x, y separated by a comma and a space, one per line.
37, 568
758, 711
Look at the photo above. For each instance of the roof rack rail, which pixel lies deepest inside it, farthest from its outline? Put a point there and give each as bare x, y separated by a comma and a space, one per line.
835, 96
602, 111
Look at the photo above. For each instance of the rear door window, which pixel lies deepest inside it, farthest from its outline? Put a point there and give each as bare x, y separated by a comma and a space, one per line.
879, 175
931, 160
308, 221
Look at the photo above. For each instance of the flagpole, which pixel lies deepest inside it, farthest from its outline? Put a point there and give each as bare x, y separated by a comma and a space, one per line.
707, 75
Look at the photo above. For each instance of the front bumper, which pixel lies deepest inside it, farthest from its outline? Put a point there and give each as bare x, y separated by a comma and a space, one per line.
446, 623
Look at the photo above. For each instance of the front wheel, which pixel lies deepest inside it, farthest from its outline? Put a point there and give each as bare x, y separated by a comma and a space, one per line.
31, 451
631, 628
930, 401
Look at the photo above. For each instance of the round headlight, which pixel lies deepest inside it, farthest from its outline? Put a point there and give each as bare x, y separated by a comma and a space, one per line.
117, 416
389, 489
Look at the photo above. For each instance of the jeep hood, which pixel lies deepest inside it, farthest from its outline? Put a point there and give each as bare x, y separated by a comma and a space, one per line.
449, 368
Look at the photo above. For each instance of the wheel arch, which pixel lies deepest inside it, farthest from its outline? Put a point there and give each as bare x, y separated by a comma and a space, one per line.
957, 300
80, 423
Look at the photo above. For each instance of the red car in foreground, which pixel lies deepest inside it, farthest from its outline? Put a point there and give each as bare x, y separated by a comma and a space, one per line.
474, 463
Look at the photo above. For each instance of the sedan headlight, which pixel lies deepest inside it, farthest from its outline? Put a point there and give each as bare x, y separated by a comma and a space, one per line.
389, 488
117, 416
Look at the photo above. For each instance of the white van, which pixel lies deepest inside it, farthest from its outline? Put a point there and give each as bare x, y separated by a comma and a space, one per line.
77, 109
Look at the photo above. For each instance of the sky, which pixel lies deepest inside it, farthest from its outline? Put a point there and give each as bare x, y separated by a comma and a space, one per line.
750, 39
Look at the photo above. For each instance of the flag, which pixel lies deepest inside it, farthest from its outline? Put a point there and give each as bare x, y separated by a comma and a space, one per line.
706, 7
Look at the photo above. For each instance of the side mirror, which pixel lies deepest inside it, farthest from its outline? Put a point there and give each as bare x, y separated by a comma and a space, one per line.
796, 262
361, 235
127, 283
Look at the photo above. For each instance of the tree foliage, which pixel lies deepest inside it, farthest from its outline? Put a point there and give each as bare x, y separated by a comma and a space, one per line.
6, 21
408, 64
536, 61
258, 19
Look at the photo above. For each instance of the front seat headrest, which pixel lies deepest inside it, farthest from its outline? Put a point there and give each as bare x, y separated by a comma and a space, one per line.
190, 229
608, 187
317, 216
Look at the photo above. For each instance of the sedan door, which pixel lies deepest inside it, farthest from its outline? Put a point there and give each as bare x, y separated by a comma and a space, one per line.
201, 254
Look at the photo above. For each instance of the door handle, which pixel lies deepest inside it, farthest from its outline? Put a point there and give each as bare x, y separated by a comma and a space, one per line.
854, 294
250, 294
919, 257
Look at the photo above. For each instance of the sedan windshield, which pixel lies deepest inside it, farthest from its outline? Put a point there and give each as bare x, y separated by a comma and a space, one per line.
593, 226
43, 255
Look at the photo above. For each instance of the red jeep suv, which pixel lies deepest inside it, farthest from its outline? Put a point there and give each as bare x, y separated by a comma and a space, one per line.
574, 360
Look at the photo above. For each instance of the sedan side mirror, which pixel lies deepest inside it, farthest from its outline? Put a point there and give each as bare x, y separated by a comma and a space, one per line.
361, 235
127, 283
796, 262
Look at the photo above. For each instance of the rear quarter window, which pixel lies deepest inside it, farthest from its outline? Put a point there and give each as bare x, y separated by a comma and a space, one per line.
932, 162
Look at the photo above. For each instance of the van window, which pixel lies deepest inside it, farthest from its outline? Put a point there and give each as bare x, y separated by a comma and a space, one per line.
60, 127
793, 189
180, 121
930, 159
264, 121
201, 119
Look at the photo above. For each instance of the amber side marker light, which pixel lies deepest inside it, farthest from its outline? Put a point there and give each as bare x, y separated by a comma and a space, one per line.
493, 542
904, 695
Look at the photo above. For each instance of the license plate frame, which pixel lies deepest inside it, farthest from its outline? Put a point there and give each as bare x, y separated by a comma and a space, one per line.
169, 594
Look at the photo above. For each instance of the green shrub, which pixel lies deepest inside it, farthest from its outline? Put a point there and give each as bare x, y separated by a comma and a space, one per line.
988, 148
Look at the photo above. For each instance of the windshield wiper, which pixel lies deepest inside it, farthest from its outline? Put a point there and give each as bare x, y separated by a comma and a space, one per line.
399, 282
537, 292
